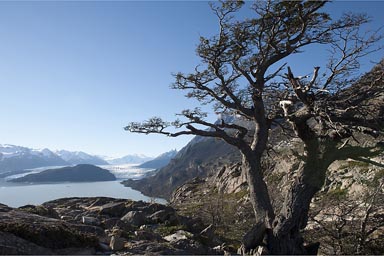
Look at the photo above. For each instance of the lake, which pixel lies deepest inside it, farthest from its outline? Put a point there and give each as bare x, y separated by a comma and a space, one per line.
19, 194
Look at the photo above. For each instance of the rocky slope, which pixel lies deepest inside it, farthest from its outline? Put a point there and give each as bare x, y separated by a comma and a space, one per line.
352, 197
101, 226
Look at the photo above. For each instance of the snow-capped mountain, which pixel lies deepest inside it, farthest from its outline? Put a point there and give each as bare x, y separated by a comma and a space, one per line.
78, 157
17, 158
130, 159
43, 152
9, 151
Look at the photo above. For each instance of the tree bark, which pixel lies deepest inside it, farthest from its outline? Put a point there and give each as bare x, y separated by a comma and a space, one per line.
286, 237
260, 200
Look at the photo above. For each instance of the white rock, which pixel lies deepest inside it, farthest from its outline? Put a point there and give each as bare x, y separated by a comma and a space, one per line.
179, 235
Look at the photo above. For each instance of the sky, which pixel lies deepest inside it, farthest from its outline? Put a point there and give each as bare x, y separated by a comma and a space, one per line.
74, 73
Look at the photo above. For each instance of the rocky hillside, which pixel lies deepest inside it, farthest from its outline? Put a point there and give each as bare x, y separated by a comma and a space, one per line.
352, 197
102, 226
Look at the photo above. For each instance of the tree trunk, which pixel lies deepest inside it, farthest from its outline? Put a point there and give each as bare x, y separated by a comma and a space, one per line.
286, 237
260, 200
258, 191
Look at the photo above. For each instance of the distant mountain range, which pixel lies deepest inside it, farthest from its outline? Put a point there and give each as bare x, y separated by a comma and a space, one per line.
79, 157
129, 159
17, 158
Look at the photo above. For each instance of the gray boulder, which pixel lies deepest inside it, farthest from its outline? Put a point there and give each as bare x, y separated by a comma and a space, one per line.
117, 223
114, 209
167, 214
136, 218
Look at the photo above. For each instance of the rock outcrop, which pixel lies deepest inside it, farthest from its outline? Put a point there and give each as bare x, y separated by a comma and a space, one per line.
29, 233
99, 225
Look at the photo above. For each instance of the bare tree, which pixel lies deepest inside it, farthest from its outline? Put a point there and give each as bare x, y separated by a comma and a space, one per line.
241, 75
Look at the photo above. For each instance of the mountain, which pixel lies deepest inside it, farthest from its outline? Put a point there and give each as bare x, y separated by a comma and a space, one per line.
78, 157
196, 159
130, 159
160, 161
78, 173
16, 158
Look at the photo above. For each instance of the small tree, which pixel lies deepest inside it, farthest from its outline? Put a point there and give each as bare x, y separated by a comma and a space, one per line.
241, 75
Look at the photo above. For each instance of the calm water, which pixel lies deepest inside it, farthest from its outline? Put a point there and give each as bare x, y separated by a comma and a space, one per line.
19, 194
16, 195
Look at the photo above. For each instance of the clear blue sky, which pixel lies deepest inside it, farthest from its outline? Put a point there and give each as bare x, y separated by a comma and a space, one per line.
74, 73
